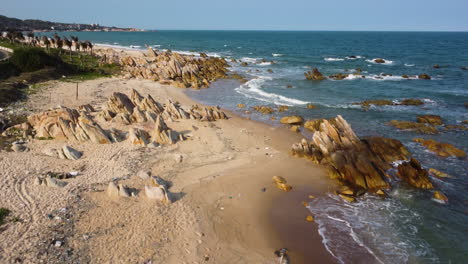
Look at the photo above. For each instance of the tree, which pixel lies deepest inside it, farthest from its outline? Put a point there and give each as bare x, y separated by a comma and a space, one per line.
67, 43
59, 43
46, 42
90, 46
84, 46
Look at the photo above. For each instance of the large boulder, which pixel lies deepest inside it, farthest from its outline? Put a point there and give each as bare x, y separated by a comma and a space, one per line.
291, 120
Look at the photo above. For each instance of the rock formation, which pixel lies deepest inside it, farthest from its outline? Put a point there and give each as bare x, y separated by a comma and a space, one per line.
181, 70
314, 75
430, 119
157, 191
441, 149
421, 128
366, 104
412, 172
63, 123
424, 76
291, 120
66, 152
359, 164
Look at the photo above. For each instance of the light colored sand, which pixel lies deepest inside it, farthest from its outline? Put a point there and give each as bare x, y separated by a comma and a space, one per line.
221, 214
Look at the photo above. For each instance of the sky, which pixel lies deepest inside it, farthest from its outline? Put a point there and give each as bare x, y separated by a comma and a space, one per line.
379, 15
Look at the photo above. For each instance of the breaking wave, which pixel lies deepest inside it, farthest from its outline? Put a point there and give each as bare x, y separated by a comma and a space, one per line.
252, 89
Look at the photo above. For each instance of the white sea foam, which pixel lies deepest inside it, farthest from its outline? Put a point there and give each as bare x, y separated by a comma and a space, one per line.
107, 45
356, 57
249, 60
277, 55
252, 89
409, 65
370, 231
333, 59
387, 62
265, 63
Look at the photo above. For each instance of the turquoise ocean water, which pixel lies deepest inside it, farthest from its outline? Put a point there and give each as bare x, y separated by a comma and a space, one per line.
409, 227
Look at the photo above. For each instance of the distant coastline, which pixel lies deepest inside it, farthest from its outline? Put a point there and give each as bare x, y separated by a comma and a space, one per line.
35, 25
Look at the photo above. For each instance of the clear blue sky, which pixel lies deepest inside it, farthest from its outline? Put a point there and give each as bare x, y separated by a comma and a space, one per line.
424, 15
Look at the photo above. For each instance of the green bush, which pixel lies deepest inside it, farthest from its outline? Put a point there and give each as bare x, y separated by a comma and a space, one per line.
3, 214
7, 69
31, 59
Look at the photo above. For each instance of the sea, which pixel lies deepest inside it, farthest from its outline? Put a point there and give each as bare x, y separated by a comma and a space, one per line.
407, 227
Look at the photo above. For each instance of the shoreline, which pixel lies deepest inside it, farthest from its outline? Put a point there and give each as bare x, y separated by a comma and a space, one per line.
246, 228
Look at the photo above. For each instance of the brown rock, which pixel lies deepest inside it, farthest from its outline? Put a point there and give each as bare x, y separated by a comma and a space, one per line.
295, 129
290, 120
313, 125
283, 108
440, 197
424, 76
441, 149
358, 164
414, 174
430, 119
281, 183
438, 173
314, 75
379, 60
311, 106
338, 76
263, 109
413, 126
411, 102
241, 105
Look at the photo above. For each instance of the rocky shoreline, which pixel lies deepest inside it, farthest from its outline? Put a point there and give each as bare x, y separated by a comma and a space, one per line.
162, 165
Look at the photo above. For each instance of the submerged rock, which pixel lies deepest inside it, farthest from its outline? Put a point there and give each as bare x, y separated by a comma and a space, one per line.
379, 60
424, 76
429, 119
311, 106
441, 149
438, 173
413, 126
266, 110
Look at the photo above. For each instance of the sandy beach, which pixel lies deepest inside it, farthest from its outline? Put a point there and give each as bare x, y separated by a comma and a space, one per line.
225, 206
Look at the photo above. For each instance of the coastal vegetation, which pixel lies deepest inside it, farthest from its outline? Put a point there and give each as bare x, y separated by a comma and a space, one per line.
37, 59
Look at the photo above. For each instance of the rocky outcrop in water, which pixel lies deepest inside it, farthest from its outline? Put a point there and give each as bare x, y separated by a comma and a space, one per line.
421, 128
314, 75
430, 119
441, 149
361, 164
366, 104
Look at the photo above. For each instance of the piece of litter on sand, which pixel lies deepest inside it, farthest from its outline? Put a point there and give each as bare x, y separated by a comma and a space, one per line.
74, 173
221, 208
